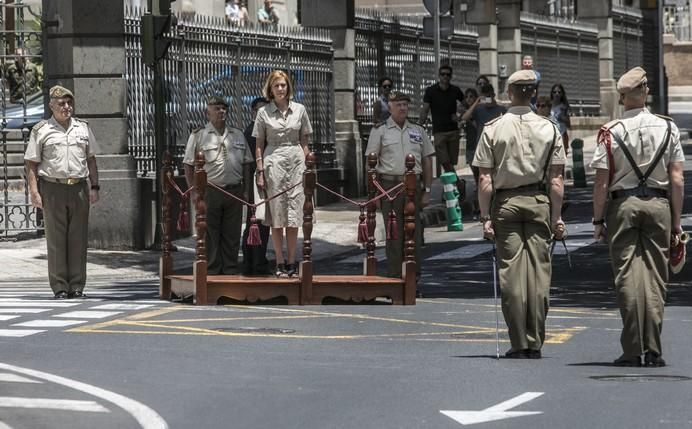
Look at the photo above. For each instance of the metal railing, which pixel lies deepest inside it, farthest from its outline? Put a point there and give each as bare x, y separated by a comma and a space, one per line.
565, 52
627, 40
21, 106
394, 46
209, 57
677, 20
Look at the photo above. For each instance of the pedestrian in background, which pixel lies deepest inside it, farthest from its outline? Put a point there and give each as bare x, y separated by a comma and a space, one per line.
282, 129
639, 164
441, 100
22, 77
267, 16
471, 134
227, 160
560, 111
255, 257
63, 180
520, 156
380, 109
543, 106
527, 64
392, 141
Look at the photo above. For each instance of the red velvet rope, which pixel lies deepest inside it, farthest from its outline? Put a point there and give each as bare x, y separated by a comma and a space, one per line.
398, 188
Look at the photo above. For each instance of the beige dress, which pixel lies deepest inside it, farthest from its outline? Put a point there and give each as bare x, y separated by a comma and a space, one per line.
284, 161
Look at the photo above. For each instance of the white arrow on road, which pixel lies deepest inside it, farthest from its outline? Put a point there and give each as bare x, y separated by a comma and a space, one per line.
496, 412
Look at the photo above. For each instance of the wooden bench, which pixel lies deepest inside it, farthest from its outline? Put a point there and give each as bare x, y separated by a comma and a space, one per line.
308, 288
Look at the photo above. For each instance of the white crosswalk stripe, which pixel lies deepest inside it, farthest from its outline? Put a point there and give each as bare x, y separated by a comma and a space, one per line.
8, 377
27, 310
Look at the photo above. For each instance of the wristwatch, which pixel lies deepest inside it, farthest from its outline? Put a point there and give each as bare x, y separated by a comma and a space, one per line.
484, 219
598, 222
96, 187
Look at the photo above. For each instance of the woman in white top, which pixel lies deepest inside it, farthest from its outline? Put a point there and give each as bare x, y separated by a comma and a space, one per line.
282, 129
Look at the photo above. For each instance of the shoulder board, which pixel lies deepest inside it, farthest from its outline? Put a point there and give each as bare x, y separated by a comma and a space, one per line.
38, 125
492, 121
80, 120
379, 124
667, 118
196, 130
235, 129
610, 124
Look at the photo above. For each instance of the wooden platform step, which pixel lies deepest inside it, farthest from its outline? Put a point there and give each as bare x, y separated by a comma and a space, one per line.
252, 289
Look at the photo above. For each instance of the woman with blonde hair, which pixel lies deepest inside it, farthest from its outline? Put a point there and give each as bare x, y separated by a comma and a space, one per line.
282, 129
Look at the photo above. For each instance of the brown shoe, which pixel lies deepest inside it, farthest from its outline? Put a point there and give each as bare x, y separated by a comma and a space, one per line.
630, 361
653, 359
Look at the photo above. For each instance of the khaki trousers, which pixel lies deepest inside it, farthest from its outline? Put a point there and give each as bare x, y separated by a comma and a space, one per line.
395, 248
66, 217
639, 240
224, 222
522, 234
447, 146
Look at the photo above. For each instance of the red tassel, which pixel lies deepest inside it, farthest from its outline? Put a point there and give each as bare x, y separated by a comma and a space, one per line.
362, 232
183, 222
392, 228
253, 237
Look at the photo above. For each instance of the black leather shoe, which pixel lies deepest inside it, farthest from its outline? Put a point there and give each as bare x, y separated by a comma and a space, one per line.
654, 360
533, 354
61, 295
292, 269
630, 361
281, 271
517, 354
76, 294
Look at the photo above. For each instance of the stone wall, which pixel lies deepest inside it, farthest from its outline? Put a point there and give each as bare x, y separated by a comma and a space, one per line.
678, 60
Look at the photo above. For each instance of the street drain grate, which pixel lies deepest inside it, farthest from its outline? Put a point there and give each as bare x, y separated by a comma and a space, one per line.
640, 377
251, 330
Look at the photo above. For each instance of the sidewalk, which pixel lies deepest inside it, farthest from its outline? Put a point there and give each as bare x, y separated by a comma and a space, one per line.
334, 234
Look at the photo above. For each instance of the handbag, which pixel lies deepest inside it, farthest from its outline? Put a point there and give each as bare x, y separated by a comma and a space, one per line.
261, 210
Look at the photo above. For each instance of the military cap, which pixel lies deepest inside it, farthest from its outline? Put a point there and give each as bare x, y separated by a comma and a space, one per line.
60, 91
399, 96
216, 100
522, 77
631, 80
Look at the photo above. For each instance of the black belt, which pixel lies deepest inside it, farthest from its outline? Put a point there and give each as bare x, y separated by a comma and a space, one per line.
639, 192
68, 181
394, 178
534, 187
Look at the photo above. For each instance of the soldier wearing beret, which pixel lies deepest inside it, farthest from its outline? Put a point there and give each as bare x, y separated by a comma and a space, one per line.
639, 174
63, 180
520, 156
392, 141
227, 159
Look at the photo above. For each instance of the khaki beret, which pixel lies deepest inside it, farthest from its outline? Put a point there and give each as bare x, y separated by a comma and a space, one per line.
522, 77
60, 91
399, 96
631, 80
215, 100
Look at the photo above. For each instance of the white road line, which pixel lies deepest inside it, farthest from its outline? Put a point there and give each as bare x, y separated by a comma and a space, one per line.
49, 323
7, 317
465, 252
86, 314
24, 310
121, 307
145, 416
8, 377
52, 404
29, 303
4, 426
19, 332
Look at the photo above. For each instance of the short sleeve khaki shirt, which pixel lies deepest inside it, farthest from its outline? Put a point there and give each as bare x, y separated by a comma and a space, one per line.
643, 133
516, 146
224, 155
392, 143
61, 153
275, 128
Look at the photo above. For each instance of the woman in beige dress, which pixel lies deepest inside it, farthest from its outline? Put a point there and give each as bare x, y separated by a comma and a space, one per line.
282, 129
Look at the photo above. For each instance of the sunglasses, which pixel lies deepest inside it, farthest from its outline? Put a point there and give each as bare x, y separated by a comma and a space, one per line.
446, 74
557, 91
386, 86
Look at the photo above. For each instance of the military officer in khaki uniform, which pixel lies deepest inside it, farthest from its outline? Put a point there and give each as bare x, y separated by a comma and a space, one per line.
520, 156
639, 164
63, 180
227, 163
392, 140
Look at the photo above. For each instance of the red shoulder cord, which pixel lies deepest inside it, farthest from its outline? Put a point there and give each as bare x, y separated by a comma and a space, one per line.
605, 139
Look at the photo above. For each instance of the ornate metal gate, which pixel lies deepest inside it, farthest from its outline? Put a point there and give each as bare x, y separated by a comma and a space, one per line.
21, 106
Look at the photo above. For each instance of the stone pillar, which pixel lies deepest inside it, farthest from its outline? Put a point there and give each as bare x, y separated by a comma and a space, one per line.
599, 13
84, 51
508, 38
487, 53
349, 149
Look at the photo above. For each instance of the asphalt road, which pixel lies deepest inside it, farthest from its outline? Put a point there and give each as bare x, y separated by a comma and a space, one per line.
122, 359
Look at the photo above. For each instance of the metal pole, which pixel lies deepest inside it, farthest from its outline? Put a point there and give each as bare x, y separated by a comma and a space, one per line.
436, 31
497, 317
663, 108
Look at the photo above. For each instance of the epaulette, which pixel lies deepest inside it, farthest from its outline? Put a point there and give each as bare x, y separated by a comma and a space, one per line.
379, 124
38, 125
80, 120
492, 121
235, 129
667, 118
196, 130
611, 124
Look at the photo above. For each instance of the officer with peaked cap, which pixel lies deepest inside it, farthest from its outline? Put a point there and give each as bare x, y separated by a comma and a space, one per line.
63, 180
392, 140
227, 161
521, 156
639, 168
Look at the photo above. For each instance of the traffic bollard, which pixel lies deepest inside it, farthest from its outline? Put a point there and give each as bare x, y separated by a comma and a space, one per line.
578, 173
451, 197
